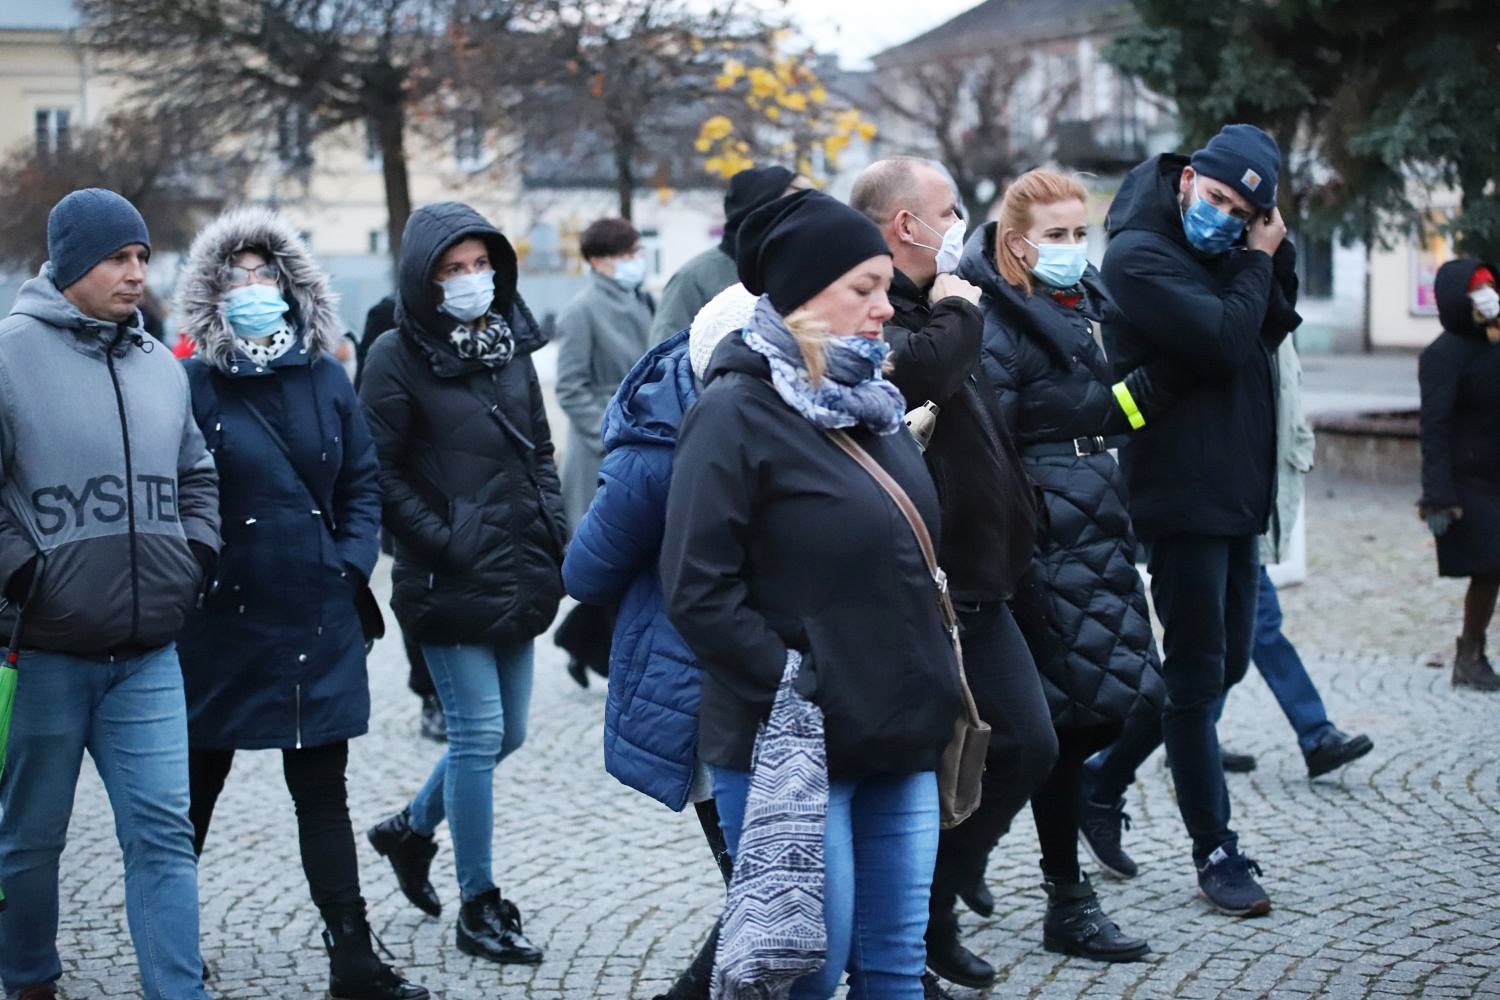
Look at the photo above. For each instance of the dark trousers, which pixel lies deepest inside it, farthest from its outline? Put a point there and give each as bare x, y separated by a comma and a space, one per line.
1057, 805
1205, 592
1008, 691
694, 983
315, 777
586, 634
417, 677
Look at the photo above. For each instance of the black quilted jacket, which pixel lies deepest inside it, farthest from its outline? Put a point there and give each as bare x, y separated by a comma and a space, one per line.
1081, 604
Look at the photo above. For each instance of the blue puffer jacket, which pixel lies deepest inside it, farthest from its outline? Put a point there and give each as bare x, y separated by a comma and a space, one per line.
651, 718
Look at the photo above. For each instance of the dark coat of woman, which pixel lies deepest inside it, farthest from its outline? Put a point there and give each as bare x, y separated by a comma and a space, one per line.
776, 539
1081, 603
466, 465
1459, 373
275, 657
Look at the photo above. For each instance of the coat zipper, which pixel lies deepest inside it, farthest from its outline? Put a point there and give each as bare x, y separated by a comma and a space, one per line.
135, 579
299, 716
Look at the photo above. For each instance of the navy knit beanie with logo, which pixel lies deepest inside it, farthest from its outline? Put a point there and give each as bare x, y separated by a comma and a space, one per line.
1245, 158
86, 227
796, 246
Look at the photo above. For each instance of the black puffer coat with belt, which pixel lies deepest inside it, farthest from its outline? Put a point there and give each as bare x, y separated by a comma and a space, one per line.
1081, 603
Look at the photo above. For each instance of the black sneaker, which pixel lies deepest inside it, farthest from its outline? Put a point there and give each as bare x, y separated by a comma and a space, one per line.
1099, 828
1334, 750
1237, 763
1225, 881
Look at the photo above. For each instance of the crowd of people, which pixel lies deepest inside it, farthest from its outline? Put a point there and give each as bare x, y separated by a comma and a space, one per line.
793, 599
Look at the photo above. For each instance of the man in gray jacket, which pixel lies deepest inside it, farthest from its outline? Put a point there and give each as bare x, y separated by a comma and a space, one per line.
108, 526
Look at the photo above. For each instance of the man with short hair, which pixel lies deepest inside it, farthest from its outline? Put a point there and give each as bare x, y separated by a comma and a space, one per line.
988, 526
109, 523
1201, 273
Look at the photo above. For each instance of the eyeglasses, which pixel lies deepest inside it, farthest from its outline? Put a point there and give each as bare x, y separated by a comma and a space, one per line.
244, 275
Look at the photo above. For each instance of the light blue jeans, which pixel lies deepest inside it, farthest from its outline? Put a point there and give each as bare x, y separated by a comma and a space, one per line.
880, 847
131, 717
486, 696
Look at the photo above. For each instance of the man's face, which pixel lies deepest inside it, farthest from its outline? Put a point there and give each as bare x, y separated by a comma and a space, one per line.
1218, 194
930, 211
112, 289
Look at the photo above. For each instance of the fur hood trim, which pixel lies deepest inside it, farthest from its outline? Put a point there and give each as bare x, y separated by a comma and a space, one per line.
205, 280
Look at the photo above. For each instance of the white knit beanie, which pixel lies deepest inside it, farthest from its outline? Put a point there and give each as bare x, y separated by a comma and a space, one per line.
723, 314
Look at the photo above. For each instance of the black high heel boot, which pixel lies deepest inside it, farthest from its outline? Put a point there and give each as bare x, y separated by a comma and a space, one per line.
410, 854
1077, 925
354, 971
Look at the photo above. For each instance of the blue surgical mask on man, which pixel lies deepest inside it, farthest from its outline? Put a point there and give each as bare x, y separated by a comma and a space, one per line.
1060, 265
255, 310
468, 296
1210, 229
630, 271
950, 247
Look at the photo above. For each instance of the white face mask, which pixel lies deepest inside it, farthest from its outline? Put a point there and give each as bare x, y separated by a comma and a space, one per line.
630, 271
951, 246
1486, 302
468, 296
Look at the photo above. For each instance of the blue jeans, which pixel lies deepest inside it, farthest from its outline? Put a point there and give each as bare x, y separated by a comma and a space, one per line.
1276, 658
130, 715
486, 695
880, 847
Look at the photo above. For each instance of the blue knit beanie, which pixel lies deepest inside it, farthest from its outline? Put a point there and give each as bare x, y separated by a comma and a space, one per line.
86, 227
1245, 158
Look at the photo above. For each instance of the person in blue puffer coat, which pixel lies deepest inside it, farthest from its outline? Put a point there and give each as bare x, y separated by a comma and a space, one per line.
651, 717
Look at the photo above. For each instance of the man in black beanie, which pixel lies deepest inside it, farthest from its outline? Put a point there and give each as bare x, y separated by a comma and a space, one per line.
712, 271
1200, 269
109, 525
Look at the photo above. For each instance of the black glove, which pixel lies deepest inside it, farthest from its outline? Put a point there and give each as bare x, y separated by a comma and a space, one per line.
18, 587
207, 558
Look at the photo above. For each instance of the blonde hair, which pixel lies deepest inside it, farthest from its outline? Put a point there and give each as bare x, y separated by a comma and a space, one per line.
1035, 187
812, 336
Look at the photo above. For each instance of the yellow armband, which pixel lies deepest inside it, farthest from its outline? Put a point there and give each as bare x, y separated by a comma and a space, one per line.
1127, 403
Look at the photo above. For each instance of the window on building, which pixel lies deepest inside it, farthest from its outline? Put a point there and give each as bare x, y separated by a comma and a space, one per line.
54, 130
294, 138
468, 139
372, 142
378, 242
1315, 261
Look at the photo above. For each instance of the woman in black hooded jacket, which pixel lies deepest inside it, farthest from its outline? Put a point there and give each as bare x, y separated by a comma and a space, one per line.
1460, 380
473, 502
1081, 604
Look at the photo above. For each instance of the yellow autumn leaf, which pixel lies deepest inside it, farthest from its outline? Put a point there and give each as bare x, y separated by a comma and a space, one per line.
716, 128
834, 143
794, 101
763, 82
817, 95
773, 113
866, 130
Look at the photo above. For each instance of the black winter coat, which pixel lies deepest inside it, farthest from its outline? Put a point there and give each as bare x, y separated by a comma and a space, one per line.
1208, 465
1460, 380
776, 539
472, 497
1081, 604
989, 510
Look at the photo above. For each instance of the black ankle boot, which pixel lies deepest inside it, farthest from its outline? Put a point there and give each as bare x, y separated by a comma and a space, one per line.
410, 854
490, 927
1077, 925
949, 959
354, 972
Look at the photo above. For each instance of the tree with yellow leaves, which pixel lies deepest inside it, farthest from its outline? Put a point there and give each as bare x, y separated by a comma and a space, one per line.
784, 112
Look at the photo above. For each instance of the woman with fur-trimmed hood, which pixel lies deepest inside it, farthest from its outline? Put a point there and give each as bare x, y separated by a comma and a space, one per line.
275, 656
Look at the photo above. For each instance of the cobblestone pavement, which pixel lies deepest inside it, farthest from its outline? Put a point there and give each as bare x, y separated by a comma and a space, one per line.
1383, 876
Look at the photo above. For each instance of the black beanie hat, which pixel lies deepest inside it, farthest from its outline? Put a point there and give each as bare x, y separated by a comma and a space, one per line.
748, 190
798, 245
1246, 159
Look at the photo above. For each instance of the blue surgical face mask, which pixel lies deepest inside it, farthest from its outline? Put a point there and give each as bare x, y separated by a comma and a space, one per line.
255, 310
1209, 229
468, 296
630, 271
1060, 265
950, 248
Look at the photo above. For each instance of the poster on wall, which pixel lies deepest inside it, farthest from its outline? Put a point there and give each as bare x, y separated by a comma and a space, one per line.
1429, 251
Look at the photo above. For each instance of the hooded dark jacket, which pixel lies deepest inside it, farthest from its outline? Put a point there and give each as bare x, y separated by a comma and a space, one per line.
275, 656
776, 539
989, 510
1081, 604
1207, 466
1459, 373
471, 493
104, 478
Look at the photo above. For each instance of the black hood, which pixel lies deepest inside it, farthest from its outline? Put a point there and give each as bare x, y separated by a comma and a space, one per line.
1451, 287
429, 232
748, 190
1147, 199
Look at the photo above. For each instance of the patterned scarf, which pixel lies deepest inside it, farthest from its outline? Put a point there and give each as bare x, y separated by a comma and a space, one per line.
852, 391
493, 343
263, 354
772, 932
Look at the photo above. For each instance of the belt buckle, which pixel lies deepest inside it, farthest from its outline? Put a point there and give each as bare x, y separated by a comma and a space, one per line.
1094, 446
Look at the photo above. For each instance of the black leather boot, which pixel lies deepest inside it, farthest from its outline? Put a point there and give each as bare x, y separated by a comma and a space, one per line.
354, 972
947, 956
490, 927
1077, 925
410, 854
